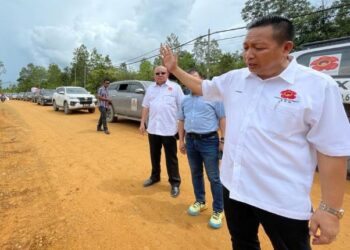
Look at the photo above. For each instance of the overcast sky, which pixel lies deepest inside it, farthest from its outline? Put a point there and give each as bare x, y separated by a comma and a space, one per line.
48, 31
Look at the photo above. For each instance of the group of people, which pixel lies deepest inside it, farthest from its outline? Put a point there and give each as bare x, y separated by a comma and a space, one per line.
169, 115
278, 120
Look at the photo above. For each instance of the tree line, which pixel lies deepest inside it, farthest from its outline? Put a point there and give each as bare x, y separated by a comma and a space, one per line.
89, 68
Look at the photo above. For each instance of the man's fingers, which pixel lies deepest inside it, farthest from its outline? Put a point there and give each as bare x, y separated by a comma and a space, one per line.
313, 228
322, 239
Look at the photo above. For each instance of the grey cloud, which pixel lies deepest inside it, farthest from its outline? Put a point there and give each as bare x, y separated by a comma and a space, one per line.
121, 29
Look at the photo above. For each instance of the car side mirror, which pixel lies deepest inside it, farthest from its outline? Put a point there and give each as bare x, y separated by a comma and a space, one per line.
139, 91
61, 93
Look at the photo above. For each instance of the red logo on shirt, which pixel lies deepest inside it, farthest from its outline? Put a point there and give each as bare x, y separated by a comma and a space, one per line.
288, 94
170, 88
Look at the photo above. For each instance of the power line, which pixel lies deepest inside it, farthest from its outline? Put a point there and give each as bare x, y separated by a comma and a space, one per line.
224, 31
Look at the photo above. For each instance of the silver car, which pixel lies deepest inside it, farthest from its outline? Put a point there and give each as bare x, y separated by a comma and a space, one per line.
126, 99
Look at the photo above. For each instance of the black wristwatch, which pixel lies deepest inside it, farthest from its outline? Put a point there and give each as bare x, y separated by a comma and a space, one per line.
222, 139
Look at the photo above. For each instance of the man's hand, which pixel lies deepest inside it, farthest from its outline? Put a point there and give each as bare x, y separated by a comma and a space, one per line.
324, 227
168, 58
221, 146
142, 128
182, 147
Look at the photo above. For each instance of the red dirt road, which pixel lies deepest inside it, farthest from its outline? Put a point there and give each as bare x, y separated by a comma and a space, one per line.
65, 186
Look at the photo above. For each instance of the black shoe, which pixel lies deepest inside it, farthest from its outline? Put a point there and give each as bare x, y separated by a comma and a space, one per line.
107, 132
175, 191
99, 129
149, 182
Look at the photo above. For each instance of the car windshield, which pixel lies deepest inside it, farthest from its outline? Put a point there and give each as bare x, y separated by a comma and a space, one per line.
76, 91
48, 91
147, 84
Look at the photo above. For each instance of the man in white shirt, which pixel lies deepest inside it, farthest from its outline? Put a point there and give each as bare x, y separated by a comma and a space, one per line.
282, 120
160, 105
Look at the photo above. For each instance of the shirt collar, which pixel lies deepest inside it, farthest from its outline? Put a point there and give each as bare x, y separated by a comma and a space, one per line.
288, 74
167, 83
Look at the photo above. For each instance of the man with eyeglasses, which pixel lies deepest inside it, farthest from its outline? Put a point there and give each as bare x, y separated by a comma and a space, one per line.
103, 98
160, 105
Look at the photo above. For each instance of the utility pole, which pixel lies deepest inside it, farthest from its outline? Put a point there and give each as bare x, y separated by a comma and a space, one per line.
208, 55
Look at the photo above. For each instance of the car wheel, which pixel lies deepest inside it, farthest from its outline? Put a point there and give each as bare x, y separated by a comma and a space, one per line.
91, 110
42, 102
111, 115
38, 102
55, 108
66, 109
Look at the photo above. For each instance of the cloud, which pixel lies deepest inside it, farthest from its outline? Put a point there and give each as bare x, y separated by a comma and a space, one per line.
121, 29
152, 22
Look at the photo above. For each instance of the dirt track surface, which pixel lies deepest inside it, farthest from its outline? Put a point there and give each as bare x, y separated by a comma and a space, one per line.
65, 186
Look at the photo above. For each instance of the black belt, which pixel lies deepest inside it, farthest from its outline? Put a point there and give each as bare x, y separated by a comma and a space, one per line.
201, 136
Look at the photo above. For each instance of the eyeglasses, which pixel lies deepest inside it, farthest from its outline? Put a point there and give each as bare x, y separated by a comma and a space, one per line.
160, 73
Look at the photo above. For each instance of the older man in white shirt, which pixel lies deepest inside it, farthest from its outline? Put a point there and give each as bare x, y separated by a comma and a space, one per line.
160, 105
282, 120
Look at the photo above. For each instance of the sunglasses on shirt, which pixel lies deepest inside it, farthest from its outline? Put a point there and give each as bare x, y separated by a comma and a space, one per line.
160, 73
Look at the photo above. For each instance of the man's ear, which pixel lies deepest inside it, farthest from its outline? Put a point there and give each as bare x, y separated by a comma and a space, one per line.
288, 46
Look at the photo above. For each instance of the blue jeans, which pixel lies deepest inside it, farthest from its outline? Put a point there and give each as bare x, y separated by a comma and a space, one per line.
103, 118
205, 151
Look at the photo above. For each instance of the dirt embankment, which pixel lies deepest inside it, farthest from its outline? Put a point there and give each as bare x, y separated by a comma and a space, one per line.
65, 186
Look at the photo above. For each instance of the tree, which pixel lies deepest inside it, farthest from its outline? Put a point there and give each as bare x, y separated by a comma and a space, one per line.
173, 42
80, 64
31, 76
66, 77
96, 60
145, 71
227, 62
2, 70
54, 76
342, 18
311, 23
288, 8
186, 60
206, 58
157, 61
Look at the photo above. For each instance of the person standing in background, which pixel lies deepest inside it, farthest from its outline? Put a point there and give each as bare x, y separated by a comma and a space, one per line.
199, 121
103, 98
161, 103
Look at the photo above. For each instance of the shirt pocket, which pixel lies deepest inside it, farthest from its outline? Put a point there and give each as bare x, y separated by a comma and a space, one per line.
169, 100
281, 118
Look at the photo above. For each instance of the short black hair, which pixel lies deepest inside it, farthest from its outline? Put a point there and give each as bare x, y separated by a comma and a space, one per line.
194, 70
106, 80
283, 28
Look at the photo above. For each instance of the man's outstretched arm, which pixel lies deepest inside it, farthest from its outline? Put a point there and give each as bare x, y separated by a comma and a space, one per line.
170, 62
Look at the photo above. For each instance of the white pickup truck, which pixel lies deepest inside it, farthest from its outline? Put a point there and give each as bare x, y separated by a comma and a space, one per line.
73, 98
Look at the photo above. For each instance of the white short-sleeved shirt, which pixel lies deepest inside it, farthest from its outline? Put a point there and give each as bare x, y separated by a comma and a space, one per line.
164, 102
274, 129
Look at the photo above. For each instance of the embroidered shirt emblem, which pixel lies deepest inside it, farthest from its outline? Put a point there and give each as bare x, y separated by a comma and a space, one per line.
288, 96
